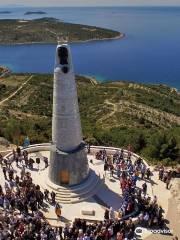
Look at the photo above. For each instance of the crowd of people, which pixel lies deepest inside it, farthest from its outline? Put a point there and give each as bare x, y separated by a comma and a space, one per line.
128, 173
22, 202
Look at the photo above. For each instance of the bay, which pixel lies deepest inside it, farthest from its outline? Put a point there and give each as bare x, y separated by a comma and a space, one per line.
149, 53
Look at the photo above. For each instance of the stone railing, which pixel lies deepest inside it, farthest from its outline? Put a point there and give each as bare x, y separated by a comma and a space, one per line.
112, 150
93, 150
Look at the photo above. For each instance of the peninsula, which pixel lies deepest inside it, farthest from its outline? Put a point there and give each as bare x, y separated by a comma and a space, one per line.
112, 114
49, 30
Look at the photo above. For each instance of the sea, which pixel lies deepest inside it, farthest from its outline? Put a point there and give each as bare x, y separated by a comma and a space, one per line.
149, 52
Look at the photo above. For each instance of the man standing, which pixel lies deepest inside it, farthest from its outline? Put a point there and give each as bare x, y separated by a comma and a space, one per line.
144, 186
58, 210
168, 180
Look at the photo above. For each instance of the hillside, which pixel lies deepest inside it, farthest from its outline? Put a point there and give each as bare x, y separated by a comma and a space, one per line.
48, 30
115, 114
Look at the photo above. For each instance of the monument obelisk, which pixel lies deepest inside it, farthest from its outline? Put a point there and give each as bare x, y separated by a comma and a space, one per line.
68, 159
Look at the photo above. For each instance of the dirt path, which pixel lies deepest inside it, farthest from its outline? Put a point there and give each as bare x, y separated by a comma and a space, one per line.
111, 113
137, 109
14, 93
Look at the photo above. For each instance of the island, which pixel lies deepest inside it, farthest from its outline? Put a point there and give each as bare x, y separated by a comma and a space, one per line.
50, 30
112, 114
34, 12
5, 12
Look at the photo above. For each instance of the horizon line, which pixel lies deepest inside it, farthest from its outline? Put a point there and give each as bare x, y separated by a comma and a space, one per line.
16, 5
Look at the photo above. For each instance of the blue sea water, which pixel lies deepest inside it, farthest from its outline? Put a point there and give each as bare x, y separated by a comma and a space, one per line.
149, 53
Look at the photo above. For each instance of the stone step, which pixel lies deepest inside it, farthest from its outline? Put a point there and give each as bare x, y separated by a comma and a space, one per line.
76, 193
63, 200
84, 191
82, 197
62, 196
77, 188
80, 188
85, 197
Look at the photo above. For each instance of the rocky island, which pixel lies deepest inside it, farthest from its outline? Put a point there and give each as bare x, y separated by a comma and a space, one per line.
49, 30
5, 12
34, 12
112, 114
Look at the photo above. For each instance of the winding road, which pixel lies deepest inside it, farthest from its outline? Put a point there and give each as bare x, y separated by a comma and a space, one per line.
14, 93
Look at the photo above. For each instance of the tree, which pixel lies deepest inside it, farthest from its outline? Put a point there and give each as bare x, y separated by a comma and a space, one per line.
170, 149
137, 140
13, 131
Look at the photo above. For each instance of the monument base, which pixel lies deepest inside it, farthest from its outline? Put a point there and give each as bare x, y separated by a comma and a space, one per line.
68, 168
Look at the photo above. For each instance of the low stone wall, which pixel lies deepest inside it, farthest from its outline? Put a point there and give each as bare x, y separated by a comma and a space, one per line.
93, 150
34, 148
112, 150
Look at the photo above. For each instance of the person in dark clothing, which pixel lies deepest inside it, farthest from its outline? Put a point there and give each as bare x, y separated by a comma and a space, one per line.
4, 172
161, 173
39, 198
38, 162
168, 180
20, 205
111, 170
144, 188
105, 168
17, 161
53, 197
17, 180
33, 204
148, 173
18, 150
46, 162
13, 202
11, 174
60, 231
106, 214
46, 195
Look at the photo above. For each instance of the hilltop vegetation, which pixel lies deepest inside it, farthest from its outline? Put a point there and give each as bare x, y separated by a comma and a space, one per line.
112, 114
48, 30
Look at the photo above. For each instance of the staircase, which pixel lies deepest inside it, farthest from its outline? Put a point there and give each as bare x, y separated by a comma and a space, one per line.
77, 193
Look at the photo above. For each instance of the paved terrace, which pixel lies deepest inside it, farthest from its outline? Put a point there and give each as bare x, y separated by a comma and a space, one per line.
108, 193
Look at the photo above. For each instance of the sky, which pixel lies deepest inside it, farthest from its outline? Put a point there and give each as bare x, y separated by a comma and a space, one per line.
90, 2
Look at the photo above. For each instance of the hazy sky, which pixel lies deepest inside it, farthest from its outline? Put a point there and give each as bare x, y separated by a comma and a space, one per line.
89, 2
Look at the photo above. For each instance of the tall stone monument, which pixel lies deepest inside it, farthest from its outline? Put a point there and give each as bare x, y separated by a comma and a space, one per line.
68, 159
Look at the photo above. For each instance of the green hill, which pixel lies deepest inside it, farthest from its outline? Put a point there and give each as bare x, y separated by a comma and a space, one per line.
112, 114
49, 30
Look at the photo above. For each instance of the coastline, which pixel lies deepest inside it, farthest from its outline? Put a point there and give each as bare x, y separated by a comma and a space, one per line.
120, 36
